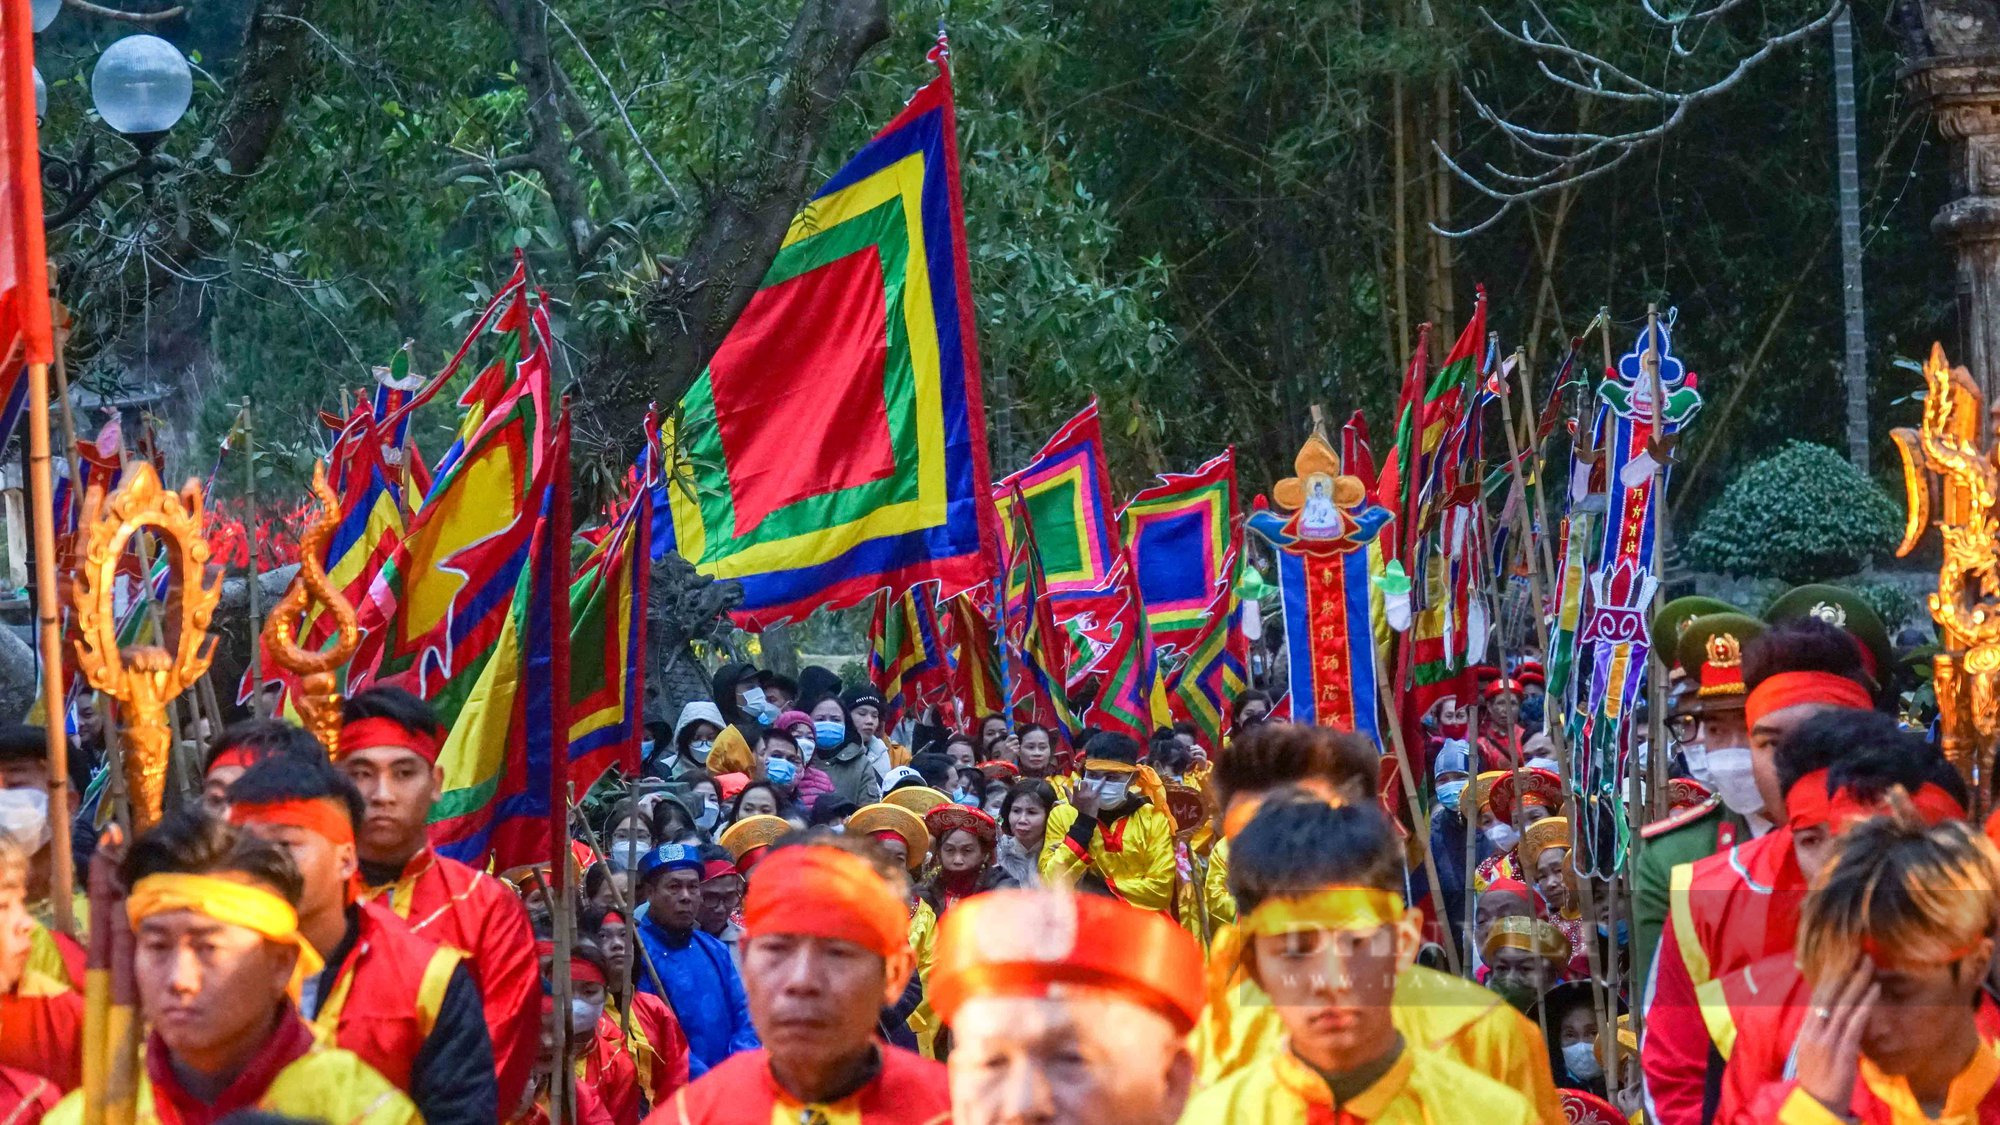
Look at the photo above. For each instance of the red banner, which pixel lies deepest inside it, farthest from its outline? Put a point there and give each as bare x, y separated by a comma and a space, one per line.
24, 286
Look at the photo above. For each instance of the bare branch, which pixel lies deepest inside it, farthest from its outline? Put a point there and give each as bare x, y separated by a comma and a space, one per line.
103, 13
518, 162
611, 92
1552, 160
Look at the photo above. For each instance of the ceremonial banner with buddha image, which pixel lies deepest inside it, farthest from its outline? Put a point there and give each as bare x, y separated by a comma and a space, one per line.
836, 444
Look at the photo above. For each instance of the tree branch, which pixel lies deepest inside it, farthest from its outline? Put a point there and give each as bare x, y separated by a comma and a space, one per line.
527, 30
1591, 155
101, 12
517, 162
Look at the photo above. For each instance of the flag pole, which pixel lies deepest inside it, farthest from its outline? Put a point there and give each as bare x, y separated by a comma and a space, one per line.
62, 877
557, 528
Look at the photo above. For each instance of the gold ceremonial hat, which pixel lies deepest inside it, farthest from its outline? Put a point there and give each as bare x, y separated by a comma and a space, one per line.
1530, 934
886, 817
1548, 832
753, 832
919, 799
1482, 786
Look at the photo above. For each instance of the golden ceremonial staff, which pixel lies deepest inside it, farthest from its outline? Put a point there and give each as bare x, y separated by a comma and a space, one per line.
1954, 449
319, 693
143, 679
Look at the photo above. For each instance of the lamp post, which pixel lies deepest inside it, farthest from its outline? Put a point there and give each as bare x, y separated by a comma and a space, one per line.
140, 87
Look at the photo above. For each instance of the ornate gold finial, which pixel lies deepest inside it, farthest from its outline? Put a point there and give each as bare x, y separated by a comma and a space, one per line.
319, 692
1954, 449
144, 678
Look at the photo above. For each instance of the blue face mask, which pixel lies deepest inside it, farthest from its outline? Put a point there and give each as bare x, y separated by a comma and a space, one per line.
1624, 931
1448, 793
828, 734
780, 771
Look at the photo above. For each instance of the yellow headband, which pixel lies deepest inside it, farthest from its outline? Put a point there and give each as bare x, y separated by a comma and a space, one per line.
1334, 908
1109, 765
229, 902
1529, 935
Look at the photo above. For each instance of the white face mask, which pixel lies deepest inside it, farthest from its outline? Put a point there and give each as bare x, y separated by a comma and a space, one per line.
1502, 836
1695, 756
626, 850
753, 702
1581, 1061
806, 744
705, 819
700, 750
583, 1015
1111, 792
24, 818
1735, 779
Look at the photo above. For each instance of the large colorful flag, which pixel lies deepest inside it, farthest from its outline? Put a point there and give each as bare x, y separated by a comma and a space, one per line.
1183, 534
1067, 491
26, 333
906, 660
836, 444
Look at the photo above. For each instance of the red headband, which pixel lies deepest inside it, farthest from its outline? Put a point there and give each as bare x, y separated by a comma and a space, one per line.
611, 916
311, 814
580, 970
1791, 689
240, 757
1809, 805
363, 734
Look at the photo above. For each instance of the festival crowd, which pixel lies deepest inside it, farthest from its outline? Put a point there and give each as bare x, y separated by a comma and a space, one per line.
798, 912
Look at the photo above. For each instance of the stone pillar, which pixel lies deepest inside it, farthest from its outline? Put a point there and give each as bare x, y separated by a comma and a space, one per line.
1954, 66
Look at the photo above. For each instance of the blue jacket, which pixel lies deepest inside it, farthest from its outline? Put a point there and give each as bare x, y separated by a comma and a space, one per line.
704, 991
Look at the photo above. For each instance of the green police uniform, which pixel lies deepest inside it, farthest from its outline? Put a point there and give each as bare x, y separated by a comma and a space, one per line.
1708, 645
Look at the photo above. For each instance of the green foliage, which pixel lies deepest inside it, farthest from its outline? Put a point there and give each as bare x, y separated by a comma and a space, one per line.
1891, 601
1802, 515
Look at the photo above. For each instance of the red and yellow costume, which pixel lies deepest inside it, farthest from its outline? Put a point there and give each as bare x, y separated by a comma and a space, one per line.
1536, 788
609, 1071
41, 1020
460, 908
1131, 848
943, 820
826, 893
25, 1098
385, 998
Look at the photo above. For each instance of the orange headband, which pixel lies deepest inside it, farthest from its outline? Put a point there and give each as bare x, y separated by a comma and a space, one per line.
311, 814
824, 892
362, 734
1809, 805
1790, 689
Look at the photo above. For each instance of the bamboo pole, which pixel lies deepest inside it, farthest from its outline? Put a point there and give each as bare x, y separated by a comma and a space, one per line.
1419, 815
256, 595
41, 489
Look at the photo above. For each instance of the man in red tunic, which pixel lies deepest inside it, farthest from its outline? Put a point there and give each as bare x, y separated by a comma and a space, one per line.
1741, 905
1754, 1014
41, 1012
825, 949
389, 748
1896, 941
405, 1004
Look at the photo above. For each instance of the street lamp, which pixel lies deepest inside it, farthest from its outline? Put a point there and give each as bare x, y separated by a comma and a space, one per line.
141, 87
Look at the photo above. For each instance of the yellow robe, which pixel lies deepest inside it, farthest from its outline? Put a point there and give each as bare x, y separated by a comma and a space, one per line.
1421, 1088
923, 942
1135, 858
1434, 1011
325, 1084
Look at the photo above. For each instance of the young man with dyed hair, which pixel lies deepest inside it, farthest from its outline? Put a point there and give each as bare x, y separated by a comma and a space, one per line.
389, 746
825, 948
218, 956
408, 1006
1326, 934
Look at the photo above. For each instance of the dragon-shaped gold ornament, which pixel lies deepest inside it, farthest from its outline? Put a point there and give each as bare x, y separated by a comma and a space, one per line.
144, 678
1952, 456
319, 692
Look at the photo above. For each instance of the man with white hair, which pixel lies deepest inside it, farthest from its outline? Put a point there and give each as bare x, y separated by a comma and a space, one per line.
1065, 1008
